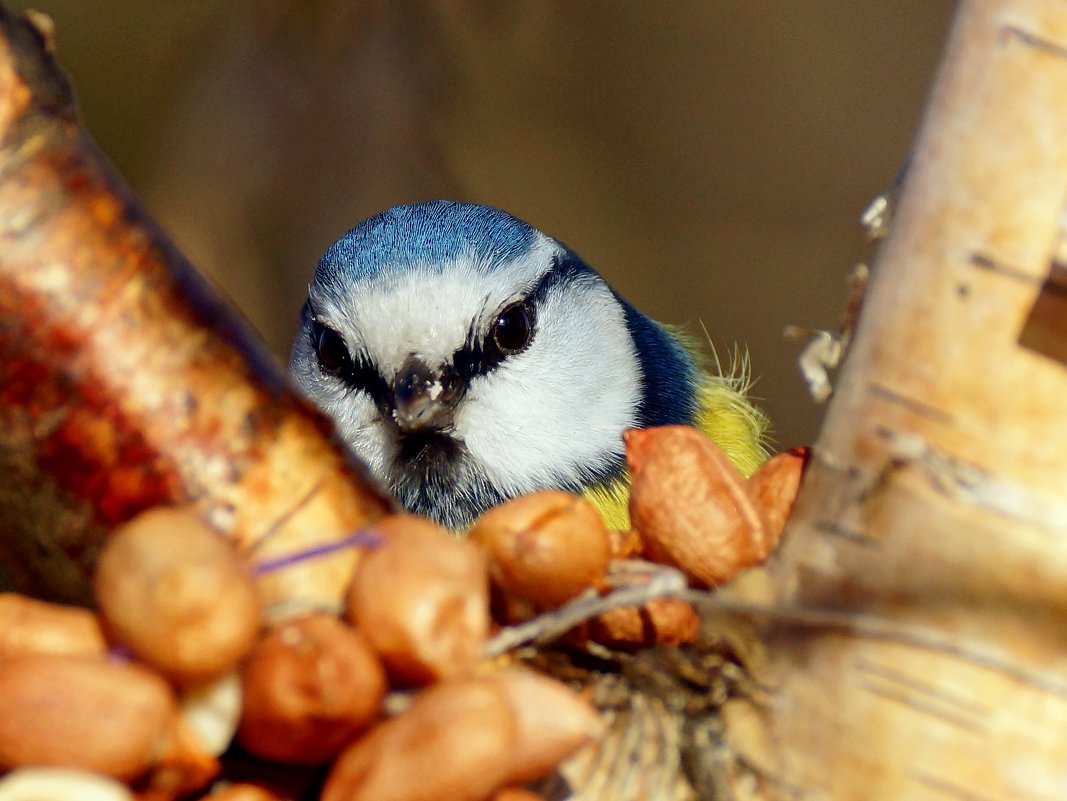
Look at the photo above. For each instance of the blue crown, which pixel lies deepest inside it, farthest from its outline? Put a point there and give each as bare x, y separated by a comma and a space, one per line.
429, 234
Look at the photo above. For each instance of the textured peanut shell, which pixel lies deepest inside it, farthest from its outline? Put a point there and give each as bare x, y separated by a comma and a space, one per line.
454, 742
774, 488
83, 712
177, 595
309, 687
422, 598
547, 547
551, 723
662, 621
691, 506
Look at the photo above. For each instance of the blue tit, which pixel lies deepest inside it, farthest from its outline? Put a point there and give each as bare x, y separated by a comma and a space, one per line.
468, 358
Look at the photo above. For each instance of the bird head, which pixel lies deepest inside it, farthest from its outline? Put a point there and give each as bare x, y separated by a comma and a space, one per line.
469, 358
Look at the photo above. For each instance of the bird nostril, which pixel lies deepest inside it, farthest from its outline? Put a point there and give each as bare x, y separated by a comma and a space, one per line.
407, 390
451, 387
413, 380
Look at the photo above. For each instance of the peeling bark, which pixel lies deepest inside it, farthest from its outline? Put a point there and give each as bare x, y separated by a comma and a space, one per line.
917, 646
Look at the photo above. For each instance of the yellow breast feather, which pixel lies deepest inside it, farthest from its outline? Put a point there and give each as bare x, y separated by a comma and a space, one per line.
724, 412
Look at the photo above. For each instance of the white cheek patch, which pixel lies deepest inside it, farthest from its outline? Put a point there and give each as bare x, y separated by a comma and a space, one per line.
555, 412
357, 421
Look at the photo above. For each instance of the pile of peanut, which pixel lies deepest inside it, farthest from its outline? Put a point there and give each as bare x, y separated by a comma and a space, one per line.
141, 698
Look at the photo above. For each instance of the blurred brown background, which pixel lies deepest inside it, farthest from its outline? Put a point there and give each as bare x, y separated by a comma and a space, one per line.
710, 158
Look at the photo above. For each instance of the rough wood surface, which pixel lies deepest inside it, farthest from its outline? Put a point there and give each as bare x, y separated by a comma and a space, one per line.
917, 649
126, 383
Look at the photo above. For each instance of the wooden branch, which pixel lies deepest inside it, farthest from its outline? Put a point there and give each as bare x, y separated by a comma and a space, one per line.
126, 383
917, 646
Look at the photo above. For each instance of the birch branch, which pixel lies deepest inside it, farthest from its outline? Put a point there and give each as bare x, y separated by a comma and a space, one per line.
935, 501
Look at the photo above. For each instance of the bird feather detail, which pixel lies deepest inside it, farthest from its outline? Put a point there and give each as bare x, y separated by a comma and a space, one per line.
723, 412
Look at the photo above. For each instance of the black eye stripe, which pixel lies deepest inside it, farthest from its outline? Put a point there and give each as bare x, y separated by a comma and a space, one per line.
565, 268
482, 352
364, 376
358, 372
480, 355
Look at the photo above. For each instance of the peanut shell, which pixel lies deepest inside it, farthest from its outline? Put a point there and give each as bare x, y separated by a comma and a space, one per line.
83, 712
774, 488
551, 723
309, 686
454, 742
547, 547
422, 599
29, 626
691, 506
177, 595
662, 621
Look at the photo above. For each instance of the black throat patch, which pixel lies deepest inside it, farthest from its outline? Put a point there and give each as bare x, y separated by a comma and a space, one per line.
432, 451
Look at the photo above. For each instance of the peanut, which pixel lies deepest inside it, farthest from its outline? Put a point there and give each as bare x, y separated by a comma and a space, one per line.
547, 547
29, 626
177, 595
422, 599
662, 621
691, 506
775, 485
454, 742
83, 712
309, 686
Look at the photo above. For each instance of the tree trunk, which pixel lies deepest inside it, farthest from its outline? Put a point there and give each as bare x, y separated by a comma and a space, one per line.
917, 647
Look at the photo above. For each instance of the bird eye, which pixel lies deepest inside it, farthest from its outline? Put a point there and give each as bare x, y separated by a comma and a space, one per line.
333, 354
513, 328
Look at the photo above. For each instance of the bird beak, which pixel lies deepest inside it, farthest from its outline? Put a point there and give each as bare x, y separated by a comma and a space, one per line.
425, 399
